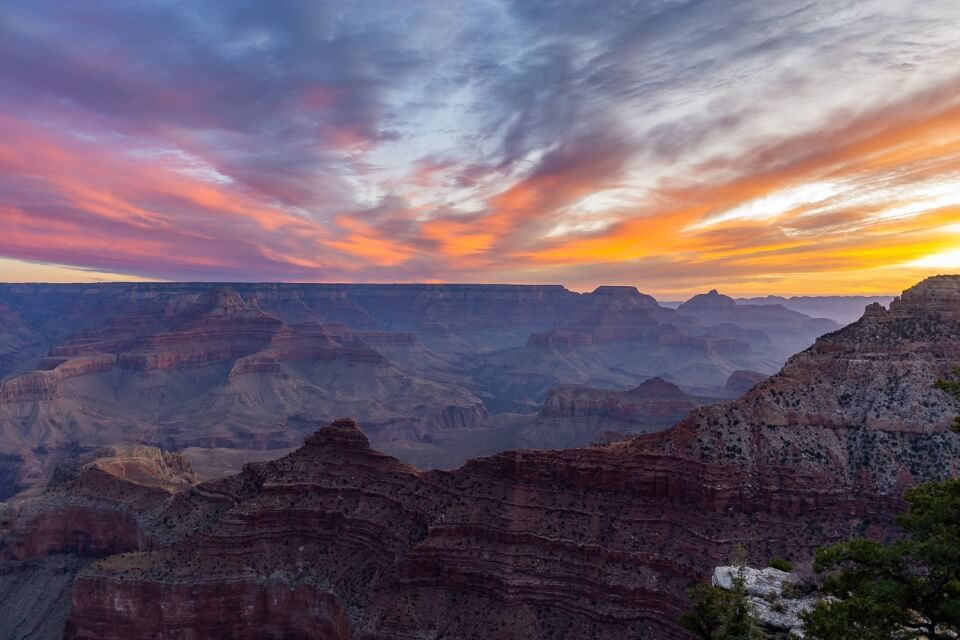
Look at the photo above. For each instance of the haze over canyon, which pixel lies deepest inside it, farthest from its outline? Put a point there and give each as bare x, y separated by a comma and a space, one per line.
435, 373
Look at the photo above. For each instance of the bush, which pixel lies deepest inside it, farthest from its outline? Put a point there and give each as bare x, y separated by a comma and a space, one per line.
781, 564
951, 385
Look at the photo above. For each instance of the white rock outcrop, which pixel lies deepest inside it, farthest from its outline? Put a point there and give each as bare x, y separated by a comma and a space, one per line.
765, 591
758, 582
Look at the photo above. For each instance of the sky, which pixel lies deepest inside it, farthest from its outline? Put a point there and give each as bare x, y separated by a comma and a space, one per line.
766, 146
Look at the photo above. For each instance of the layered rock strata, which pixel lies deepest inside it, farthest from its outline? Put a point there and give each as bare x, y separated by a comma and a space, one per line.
98, 504
597, 542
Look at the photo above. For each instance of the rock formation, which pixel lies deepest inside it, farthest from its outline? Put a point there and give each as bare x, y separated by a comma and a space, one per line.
772, 596
99, 503
575, 416
211, 368
623, 337
595, 542
788, 330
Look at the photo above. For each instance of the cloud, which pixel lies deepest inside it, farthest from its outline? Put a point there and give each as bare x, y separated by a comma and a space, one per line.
664, 144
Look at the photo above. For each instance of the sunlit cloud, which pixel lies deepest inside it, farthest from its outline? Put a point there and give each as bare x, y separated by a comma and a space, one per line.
930, 197
947, 260
773, 205
673, 146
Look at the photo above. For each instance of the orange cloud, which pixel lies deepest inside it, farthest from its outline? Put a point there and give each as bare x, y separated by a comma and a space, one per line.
365, 241
897, 179
890, 178
457, 239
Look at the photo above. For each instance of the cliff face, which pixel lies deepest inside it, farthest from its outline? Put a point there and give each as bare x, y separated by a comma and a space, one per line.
235, 609
45, 384
596, 542
333, 512
99, 503
95, 505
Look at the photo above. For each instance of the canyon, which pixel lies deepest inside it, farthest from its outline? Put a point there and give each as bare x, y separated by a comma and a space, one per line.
337, 539
435, 373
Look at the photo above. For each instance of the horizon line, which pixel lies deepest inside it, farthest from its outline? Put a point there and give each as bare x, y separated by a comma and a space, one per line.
717, 288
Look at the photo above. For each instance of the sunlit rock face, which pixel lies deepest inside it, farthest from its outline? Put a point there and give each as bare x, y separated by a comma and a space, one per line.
939, 295
592, 542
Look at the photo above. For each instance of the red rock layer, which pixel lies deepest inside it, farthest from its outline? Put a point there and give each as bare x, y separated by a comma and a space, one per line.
82, 530
44, 384
309, 342
586, 543
597, 542
236, 609
214, 341
95, 505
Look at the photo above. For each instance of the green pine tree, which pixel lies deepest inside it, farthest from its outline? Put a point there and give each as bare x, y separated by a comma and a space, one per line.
900, 590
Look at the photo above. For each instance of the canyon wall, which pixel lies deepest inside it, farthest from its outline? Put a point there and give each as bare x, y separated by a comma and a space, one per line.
595, 542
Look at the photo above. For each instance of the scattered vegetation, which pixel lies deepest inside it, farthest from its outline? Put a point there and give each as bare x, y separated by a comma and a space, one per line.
951, 385
907, 589
781, 563
718, 614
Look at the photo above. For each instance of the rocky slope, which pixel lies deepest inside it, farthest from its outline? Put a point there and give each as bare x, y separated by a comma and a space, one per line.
596, 542
98, 503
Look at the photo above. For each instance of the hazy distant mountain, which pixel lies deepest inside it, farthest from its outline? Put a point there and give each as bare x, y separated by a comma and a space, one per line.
841, 309
248, 367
